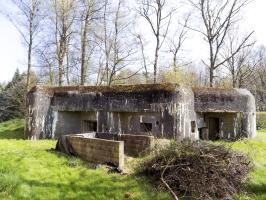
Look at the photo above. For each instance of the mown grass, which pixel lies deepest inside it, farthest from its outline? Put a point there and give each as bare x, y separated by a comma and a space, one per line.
28, 170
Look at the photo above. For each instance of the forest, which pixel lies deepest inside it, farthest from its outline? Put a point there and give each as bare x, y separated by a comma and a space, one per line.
93, 42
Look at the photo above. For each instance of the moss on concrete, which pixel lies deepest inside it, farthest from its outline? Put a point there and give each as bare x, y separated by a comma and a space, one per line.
168, 87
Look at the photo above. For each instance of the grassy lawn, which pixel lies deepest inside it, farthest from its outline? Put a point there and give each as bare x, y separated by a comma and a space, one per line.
28, 170
256, 149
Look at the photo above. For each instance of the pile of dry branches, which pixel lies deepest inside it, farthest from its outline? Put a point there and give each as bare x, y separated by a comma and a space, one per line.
198, 169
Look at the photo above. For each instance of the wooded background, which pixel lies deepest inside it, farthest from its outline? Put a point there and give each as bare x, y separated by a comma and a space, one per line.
102, 42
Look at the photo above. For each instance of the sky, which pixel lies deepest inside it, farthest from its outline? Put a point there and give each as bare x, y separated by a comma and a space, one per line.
13, 52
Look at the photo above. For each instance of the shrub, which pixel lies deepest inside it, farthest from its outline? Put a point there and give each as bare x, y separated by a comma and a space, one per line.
197, 169
261, 120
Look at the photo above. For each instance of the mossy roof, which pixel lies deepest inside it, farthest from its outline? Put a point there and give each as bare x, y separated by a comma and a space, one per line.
205, 91
169, 87
214, 90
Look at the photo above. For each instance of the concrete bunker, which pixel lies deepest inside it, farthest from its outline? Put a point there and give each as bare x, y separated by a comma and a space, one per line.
162, 110
225, 113
132, 113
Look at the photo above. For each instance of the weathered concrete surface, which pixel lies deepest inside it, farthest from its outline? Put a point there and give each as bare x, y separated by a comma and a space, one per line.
136, 145
97, 150
124, 109
102, 148
38, 124
162, 110
223, 100
234, 107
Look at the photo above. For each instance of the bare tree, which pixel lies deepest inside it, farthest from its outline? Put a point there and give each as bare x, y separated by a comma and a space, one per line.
178, 40
64, 19
27, 22
240, 64
257, 82
89, 11
152, 11
218, 17
122, 46
139, 37
46, 62
107, 46
115, 42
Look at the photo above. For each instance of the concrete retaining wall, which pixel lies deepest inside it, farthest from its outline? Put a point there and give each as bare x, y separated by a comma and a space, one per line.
98, 150
136, 144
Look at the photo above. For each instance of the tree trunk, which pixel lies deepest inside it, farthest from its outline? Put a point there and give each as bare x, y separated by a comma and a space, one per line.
174, 61
61, 61
67, 65
50, 74
211, 77
143, 57
30, 44
60, 73
83, 69
234, 78
156, 60
29, 64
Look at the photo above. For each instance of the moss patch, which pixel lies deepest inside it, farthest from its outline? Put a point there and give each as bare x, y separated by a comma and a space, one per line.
169, 87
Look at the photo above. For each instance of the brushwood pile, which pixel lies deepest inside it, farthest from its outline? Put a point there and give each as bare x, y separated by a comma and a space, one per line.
198, 169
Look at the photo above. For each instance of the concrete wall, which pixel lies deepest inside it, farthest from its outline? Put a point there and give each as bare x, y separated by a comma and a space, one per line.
38, 123
185, 116
170, 112
68, 123
241, 101
98, 150
230, 124
131, 123
150, 101
136, 145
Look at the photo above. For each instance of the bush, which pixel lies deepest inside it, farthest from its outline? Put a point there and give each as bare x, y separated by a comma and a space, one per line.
197, 169
13, 96
261, 120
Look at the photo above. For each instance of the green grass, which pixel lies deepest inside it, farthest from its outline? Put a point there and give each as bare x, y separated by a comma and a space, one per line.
28, 170
13, 129
256, 149
261, 120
